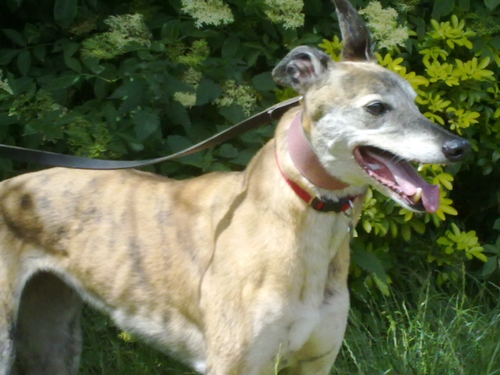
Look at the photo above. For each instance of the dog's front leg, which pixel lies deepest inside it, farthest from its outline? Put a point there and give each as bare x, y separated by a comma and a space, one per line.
318, 354
245, 338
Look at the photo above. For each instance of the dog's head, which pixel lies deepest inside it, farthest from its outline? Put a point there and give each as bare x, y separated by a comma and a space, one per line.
361, 119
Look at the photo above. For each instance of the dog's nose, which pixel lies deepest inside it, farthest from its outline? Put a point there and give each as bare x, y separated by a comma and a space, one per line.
456, 149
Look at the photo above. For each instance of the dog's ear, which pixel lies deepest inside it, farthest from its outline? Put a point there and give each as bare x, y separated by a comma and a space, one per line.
355, 35
302, 67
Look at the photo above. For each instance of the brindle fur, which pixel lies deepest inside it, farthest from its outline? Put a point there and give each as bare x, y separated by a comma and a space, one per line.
227, 271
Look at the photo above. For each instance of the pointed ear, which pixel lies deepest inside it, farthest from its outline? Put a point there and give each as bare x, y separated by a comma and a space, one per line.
302, 67
355, 34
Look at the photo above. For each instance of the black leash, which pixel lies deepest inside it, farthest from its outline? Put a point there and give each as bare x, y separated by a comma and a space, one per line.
60, 160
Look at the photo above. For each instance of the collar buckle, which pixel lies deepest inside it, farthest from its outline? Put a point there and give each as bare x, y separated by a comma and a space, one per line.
327, 205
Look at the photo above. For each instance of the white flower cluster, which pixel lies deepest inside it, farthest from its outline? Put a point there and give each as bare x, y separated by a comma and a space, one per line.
208, 12
187, 99
192, 78
288, 12
242, 95
384, 26
127, 28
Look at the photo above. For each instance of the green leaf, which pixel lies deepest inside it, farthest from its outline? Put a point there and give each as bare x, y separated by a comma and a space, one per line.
63, 82
491, 4
490, 266
40, 52
228, 151
179, 115
207, 91
496, 224
65, 12
32, 33
132, 142
20, 85
366, 226
312, 39
264, 82
6, 55
24, 62
442, 8
70, 48
5, 119
406, 232
16, 37
170, 30
100, 88
479, 255
92, 63
495, 156
251, 136
73, 63
110, 113
243, 157
495, 42
230, 47
491, 249
130, 104
368, 262
464, 4
128, 89
233, 113
157, 47
146, 122
381, 285
179, 143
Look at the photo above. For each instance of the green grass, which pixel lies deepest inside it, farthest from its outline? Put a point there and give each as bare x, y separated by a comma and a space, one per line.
105, 352
423, 331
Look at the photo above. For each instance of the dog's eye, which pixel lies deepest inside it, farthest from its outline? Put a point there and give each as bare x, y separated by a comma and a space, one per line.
377, 108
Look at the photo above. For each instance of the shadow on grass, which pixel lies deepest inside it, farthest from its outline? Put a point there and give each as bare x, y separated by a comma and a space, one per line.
107, 351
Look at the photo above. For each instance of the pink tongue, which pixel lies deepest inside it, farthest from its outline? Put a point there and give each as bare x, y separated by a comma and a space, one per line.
409, 181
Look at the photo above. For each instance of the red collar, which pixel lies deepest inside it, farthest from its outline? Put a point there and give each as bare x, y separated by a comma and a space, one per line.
307, 163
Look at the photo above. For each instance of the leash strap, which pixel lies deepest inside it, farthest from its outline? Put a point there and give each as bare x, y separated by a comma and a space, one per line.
69, 161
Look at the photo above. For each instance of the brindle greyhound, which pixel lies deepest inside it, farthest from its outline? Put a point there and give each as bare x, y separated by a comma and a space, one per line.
227, 271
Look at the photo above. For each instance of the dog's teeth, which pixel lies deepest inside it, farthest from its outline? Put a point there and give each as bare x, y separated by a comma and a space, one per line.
374, 167
417, 196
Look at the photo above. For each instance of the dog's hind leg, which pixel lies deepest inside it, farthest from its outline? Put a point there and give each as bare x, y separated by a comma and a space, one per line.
48, 337
9, 298
7, 327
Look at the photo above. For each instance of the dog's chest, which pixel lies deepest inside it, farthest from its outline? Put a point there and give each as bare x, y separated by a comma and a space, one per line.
319, 249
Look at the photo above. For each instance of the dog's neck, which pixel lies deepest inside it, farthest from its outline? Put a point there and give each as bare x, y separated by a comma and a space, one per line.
306, 161
308, 165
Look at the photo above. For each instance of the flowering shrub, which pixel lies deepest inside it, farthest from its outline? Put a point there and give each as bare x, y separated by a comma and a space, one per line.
138, 79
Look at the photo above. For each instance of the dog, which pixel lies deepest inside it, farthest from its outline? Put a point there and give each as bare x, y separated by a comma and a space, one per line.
230, 272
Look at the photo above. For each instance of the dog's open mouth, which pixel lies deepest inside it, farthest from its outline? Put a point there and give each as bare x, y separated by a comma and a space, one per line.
399, 176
